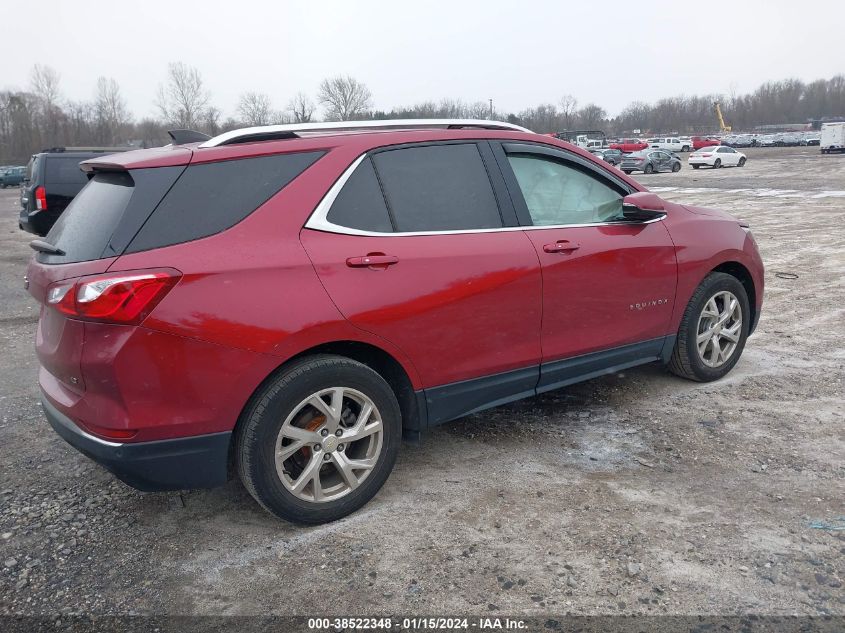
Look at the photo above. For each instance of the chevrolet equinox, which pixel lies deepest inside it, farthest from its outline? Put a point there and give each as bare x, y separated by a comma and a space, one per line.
285, 302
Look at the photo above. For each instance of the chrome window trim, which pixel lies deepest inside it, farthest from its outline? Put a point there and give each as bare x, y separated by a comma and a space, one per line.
351, 126
318, 220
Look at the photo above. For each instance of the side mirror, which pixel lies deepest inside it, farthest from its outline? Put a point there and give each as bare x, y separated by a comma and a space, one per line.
643, 207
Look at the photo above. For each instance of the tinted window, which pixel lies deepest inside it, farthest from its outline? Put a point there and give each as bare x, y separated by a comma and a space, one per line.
85, 226
212, 197
360, 204
64, 170
438, 188
32, 168
556, 193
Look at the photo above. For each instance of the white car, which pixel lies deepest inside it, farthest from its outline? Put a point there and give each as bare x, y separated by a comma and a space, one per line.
671, 144
717, 156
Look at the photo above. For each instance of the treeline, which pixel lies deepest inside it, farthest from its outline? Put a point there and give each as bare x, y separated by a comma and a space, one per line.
41, 117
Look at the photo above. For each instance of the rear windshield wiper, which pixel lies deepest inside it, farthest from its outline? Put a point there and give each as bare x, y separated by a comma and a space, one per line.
45, 247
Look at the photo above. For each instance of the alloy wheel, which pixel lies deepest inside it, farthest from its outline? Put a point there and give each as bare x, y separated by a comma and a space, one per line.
329, 444
719, 329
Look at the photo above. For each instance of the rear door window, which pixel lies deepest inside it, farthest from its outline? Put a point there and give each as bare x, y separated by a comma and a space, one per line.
437, 188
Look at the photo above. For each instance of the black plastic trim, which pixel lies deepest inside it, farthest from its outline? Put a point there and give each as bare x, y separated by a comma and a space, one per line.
200, 461
470, 396
448, 402
568, 371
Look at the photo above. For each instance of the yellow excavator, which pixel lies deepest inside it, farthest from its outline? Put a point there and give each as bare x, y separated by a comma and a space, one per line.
722, 126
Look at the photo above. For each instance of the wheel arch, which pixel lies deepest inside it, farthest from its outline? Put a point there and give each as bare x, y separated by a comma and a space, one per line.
738, 270
411, 402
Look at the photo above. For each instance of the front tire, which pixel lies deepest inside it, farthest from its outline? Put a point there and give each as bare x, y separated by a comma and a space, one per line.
741, 162
713, 330
319, 440
676, 167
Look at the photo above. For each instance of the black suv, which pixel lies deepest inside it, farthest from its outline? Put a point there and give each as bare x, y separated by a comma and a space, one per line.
52, 180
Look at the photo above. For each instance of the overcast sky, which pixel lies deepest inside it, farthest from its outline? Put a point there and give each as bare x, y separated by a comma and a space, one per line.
517, 53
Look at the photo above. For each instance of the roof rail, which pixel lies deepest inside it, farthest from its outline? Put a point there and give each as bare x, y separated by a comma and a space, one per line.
295, 130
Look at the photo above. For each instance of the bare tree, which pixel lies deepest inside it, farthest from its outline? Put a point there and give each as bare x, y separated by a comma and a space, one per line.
110, 111
301, 108
344, 98
568, 107
590, 116
210, 122
281, 117
151, 133
255, 108
183, 99
45, 84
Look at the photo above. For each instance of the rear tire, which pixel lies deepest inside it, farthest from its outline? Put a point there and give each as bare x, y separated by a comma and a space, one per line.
685, 148
627, 171
694, 352
649, 169
717, 164
696, 166
281, 411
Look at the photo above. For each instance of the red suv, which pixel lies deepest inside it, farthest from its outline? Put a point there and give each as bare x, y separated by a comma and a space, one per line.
287, 301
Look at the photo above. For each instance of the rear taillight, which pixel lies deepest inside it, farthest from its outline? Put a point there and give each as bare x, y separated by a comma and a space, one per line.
125, 297
40, 198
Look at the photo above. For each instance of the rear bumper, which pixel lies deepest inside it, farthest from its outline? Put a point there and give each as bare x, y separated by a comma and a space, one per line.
194, 462
35, 222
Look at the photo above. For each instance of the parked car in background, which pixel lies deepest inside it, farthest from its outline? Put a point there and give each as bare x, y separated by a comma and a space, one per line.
12, 176
704, 141
282, 302
832, 138
612, 156
51, 181
629, 145
670, 144
649, 161
721, 156
790, 139
812, 138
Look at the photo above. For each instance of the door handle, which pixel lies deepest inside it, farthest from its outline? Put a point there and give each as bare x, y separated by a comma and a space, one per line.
372, 260
561, 246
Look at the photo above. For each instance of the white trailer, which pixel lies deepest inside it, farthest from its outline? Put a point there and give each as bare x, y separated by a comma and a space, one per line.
832, 138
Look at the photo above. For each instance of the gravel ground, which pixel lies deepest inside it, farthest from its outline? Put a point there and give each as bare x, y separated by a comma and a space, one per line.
634, 493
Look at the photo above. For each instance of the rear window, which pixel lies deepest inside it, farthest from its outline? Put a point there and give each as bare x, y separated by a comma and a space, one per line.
64, 170
211, 197
85, 226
